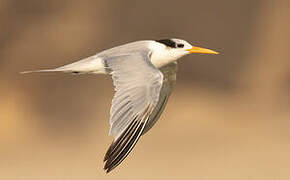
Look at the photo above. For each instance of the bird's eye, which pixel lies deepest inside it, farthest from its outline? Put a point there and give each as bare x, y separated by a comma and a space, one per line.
180, 45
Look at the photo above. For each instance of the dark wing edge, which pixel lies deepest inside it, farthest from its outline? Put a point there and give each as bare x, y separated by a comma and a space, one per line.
121, 147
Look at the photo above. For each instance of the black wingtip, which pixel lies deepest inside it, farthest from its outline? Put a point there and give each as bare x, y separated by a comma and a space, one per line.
120, 148
107, 170
109, 151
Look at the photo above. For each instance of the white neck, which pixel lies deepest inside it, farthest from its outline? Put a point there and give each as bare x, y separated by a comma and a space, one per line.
162, 56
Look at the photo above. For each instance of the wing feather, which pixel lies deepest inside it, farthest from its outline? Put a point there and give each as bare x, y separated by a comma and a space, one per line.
137, 84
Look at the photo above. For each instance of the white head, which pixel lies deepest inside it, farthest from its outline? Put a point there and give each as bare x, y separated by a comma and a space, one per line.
165, 51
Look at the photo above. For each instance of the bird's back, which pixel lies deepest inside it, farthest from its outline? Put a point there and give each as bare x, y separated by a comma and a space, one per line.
126, 49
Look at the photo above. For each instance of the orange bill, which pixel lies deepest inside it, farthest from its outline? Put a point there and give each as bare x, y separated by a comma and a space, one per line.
195, 49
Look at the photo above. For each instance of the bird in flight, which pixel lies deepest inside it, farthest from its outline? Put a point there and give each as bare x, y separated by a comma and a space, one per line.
143, 73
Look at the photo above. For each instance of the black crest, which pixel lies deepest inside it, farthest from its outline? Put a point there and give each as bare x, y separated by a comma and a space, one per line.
167, 42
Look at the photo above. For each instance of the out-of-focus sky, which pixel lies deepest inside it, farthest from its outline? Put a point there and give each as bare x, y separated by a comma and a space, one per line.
228, 116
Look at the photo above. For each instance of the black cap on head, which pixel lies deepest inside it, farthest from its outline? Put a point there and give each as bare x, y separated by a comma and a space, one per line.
167, 42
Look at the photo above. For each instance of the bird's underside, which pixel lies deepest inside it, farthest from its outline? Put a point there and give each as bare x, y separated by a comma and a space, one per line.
122, 146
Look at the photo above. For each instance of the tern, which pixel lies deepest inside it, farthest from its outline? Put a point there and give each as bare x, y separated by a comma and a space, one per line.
143, 73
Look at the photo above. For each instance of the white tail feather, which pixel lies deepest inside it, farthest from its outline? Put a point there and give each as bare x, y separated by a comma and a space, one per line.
42, 70
88, 65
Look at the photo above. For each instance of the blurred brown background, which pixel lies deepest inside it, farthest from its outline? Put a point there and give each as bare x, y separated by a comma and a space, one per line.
228, 117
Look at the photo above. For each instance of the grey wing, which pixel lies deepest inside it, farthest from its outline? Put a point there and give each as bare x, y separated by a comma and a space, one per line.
137, 84
169, 78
